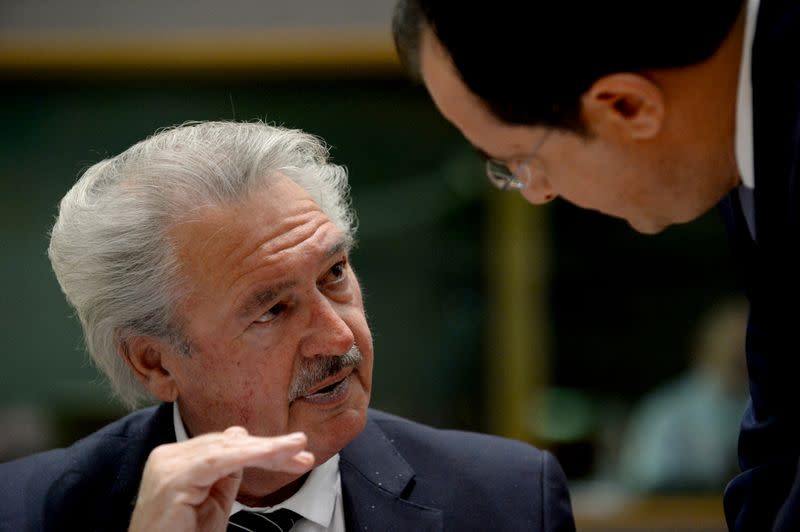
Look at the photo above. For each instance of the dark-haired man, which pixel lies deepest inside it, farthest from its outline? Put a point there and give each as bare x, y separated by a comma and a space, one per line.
652, 113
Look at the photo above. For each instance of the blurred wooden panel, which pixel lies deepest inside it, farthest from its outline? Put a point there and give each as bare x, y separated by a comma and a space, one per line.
299, 51
601, 513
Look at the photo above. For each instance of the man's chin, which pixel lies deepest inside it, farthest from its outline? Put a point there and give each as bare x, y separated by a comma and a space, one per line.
330, 438
261, 487
324, 440
648, 227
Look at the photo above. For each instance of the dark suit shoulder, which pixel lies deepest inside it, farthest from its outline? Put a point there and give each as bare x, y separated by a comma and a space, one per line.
500, 478
92, 481
455, 443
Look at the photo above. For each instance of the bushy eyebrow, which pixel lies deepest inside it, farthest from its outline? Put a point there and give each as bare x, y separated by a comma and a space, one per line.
343, 245
264, 296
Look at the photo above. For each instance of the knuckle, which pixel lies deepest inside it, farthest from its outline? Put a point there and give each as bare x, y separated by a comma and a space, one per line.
160, 454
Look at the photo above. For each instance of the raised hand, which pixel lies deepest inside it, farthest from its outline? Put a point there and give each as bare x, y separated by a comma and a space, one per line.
191, 486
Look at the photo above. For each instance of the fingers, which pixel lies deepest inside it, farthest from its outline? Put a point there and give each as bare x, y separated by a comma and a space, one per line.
196, 481
203, 460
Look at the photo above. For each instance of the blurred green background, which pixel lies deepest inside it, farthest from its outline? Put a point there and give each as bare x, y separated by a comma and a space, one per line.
419, 234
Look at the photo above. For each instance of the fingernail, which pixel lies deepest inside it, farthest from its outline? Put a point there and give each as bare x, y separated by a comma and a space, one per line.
236, 431
296, 436
305, 456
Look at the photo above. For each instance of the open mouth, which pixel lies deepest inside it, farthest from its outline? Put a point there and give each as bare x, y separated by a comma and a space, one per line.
330, 387
330, 391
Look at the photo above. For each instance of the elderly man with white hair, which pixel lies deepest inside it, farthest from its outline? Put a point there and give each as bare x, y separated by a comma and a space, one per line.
209, 266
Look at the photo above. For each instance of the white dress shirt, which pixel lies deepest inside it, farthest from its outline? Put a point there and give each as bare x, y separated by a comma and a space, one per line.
319, 499
744, 119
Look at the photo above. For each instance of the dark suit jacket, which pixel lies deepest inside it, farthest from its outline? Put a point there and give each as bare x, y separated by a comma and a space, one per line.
766, 496
396, 475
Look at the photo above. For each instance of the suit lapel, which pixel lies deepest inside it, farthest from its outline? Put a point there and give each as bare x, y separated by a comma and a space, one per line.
137, 446
375, 483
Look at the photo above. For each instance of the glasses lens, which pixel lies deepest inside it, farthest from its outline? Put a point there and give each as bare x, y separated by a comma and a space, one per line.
502, 177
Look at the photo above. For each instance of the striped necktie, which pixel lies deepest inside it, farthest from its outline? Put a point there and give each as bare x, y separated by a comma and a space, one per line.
281, 520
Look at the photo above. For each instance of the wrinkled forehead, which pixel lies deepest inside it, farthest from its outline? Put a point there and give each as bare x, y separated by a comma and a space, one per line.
221, 236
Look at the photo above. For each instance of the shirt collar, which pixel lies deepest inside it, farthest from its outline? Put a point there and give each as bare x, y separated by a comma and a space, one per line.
316, 498
744, 101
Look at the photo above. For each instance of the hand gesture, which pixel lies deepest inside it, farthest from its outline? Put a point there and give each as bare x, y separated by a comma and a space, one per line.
191, 485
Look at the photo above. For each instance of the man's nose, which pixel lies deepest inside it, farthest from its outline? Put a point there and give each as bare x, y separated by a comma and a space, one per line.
327, 333
539, 190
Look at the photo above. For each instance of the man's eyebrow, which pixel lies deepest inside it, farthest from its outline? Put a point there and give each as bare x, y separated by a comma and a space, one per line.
344, 244
263, 296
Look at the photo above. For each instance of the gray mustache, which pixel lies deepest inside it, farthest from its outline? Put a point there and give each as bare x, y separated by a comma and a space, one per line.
315, 370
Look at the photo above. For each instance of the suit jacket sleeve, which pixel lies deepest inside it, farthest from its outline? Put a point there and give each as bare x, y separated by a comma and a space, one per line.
766, 495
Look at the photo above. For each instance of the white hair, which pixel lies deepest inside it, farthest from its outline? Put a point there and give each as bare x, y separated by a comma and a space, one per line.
110, 246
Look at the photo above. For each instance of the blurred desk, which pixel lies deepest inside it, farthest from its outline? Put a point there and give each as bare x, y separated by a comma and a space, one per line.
607, 511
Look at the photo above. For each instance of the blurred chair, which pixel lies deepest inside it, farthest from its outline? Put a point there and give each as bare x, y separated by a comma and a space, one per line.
682, 437
26, 429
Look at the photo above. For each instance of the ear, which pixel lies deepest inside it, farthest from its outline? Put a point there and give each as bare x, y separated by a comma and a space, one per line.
145, 356
625, 104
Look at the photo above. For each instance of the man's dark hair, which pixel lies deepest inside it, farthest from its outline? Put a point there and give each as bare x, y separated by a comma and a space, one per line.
531, 61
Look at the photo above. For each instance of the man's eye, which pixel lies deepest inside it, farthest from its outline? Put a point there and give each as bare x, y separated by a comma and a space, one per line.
336, 273
272, 313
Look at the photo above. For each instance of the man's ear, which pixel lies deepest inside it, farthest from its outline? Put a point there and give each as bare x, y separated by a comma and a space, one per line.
625, 104
145, 356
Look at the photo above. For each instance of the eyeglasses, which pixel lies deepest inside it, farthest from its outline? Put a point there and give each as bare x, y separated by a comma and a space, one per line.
501, 176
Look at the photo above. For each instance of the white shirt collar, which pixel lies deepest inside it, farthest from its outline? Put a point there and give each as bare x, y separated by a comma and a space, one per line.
315, 500
744, 101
